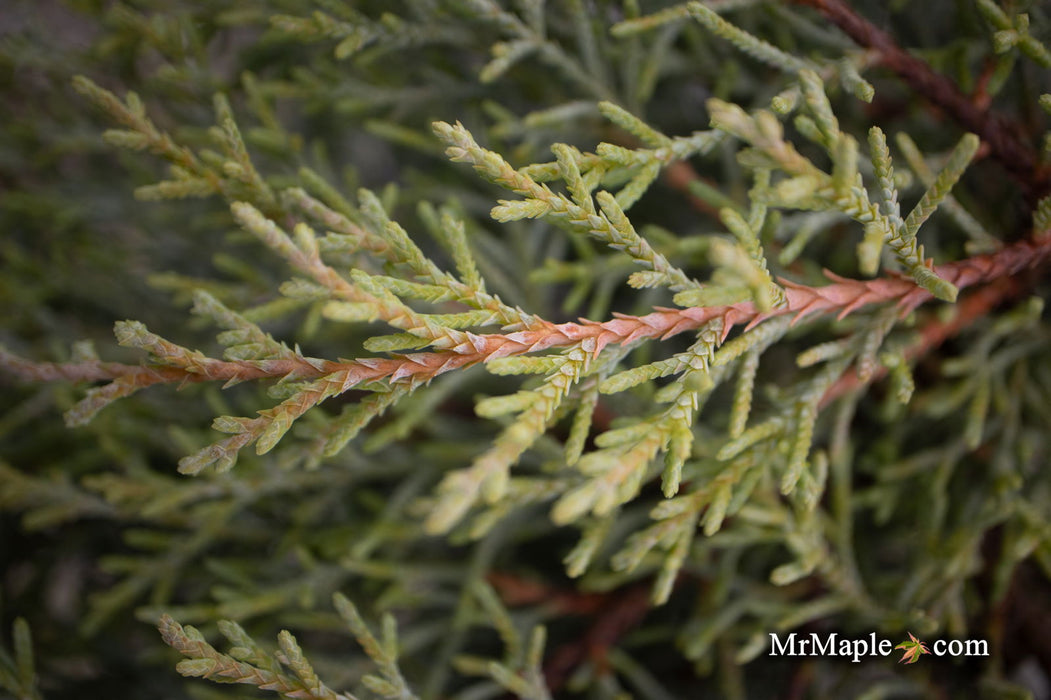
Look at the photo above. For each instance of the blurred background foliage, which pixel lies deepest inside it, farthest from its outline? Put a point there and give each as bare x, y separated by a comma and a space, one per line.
99, 535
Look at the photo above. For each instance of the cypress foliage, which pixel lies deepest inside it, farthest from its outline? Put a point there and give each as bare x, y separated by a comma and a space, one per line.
482, 348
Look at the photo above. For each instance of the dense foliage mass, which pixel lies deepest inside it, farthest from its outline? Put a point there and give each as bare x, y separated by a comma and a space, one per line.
467, 348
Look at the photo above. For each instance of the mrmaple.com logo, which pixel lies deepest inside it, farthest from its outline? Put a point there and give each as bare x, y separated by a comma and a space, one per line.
856, 649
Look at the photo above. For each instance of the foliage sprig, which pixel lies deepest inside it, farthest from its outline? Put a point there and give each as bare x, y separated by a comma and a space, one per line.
750, 339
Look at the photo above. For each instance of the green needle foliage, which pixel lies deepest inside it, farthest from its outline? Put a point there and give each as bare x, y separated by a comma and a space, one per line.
582, 345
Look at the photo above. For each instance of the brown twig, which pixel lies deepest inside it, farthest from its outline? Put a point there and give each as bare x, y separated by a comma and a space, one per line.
970, 309
678, 176
843, 296
617, 612
516, 591
1003, 135
623, 613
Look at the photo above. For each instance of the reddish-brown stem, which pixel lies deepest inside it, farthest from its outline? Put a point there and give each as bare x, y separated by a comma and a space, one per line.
1004, 136
517, 591
679, 175
970, 309
622, 613
843, 296
618, 612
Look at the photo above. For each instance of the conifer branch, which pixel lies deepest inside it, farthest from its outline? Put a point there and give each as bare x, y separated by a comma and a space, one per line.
18, 674
688, 446
204, 661
934, 333
1013, 154
842, 297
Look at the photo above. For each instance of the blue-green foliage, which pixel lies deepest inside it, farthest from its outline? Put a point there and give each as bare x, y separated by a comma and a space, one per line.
583, 344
